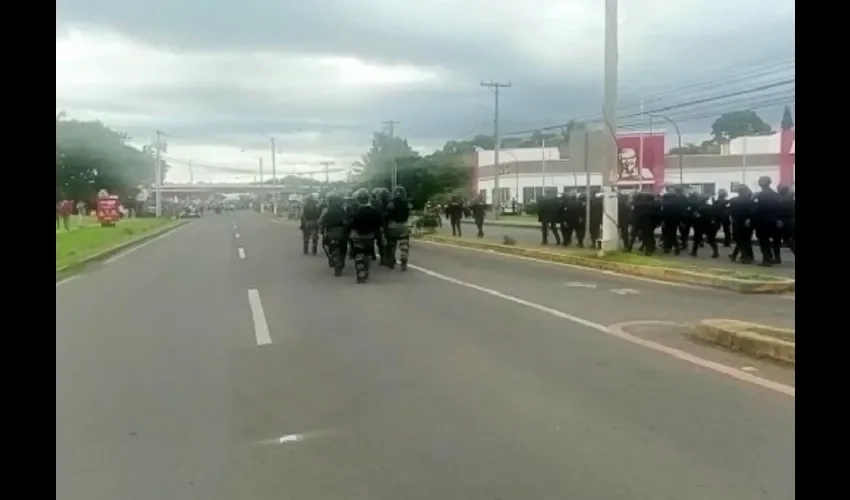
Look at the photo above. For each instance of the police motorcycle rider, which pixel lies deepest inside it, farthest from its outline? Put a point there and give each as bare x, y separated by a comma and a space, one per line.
366, 228
333, 224
397, 230
310, 224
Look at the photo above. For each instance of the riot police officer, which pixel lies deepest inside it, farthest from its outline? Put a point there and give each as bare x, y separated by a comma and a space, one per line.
310, 224
334, 225
397, 231
366, 225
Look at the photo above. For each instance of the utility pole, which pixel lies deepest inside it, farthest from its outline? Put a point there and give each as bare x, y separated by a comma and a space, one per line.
260, 160
610, 231
497, 194
191, 173
391, 124
158, 173
274, 163
327, 165
274, 176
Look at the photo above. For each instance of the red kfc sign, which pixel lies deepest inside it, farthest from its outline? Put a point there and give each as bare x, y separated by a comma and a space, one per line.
635, 171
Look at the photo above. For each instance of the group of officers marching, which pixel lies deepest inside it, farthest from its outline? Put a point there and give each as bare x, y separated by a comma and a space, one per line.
768, 215
362, 226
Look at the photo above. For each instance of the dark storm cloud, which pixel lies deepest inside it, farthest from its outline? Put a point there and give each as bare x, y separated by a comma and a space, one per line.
543, 93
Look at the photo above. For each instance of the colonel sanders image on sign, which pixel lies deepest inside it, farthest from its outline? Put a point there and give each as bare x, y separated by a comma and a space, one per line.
629, 170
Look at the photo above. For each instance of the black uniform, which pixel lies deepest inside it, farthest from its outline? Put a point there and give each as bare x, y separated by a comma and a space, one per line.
741, 211
454, 212
705, 223
547, 216
722, 202
334, 222
310, 225
767, 206
478, 210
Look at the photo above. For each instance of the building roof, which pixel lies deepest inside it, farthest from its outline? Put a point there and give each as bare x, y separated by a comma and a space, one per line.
732, 162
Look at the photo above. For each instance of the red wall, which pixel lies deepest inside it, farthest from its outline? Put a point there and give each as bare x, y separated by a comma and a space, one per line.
653, 157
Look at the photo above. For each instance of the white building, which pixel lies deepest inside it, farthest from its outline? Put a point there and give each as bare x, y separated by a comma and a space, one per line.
524, 180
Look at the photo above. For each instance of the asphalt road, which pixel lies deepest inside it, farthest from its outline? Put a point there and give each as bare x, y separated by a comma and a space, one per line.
532, 236
206, 366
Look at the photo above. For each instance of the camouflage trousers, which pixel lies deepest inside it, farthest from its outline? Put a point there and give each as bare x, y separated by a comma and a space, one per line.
363, 246
398, 238
335, 244
310, 233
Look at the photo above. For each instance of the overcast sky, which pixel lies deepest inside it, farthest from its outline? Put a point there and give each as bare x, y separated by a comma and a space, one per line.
222, 76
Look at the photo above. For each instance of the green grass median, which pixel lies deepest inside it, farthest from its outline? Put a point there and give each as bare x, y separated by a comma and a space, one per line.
590, 258
88, 240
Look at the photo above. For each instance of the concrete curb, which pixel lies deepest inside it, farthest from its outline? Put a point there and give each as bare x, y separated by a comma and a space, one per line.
501, 223
756, 340
672, 275
62, 272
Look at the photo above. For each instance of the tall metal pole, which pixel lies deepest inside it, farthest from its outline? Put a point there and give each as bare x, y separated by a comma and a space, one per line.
610, 231
274, 162
158, 174
191, 173
391, 124
588, 195
679, 142
640, 153
497, 194
543, 168
260, 160
327, 165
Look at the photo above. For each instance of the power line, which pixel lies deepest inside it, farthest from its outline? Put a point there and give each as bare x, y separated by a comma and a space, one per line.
668, 108
720, 108
752, 73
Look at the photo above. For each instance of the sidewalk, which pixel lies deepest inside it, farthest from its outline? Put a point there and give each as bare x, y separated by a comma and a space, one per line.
527, 234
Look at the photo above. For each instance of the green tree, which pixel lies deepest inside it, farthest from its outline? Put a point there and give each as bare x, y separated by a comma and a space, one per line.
738, 124
787, 119
424, 177
91, 157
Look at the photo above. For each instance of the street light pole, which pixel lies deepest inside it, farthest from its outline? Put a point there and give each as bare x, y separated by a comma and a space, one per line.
679, 148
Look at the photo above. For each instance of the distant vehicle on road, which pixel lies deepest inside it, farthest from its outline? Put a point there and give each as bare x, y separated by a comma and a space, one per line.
190, 212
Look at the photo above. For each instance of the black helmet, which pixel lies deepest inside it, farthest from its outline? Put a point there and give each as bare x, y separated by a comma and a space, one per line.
361, 196
334, 199
400, 192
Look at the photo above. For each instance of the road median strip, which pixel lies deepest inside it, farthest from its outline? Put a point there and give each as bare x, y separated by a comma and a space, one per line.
635, 265
74, 259
757, 340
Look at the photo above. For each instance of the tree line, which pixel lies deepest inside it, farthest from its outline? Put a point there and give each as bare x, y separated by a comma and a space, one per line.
726, 127
90, 156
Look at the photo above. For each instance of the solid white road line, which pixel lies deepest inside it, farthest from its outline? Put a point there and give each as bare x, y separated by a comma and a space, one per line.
241, 252
261, 328
623, 335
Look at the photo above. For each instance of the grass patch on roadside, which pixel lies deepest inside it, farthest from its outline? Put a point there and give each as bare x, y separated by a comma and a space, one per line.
86, 241
74, 223
628, 259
